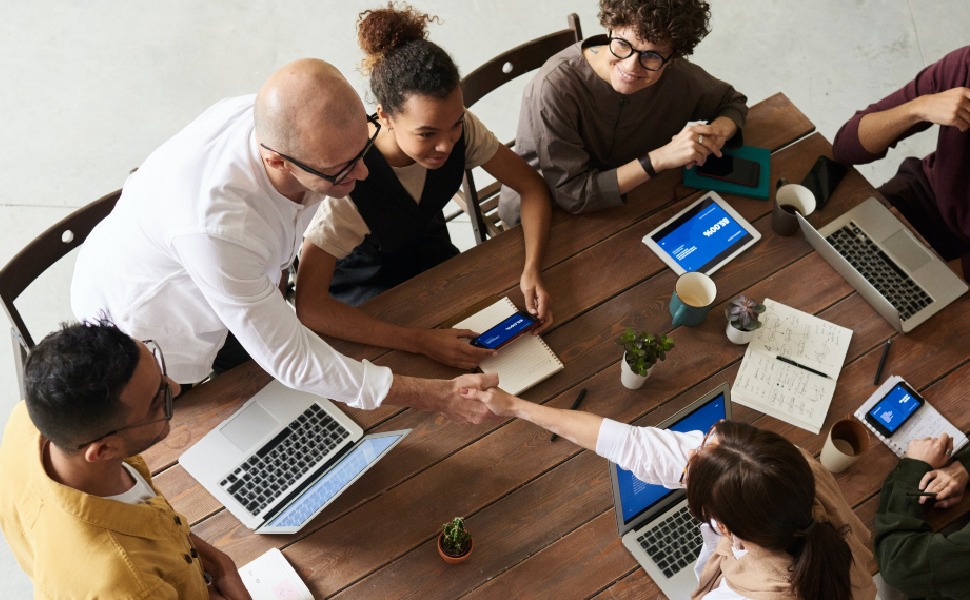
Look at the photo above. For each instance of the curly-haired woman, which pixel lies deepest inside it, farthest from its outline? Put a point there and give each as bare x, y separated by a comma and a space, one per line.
609, 113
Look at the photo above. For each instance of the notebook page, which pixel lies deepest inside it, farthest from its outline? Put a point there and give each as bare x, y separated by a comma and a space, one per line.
271, 577
521, 364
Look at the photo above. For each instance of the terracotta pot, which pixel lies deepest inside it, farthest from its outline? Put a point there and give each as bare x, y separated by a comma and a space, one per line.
738, 336
628, 378
454, 560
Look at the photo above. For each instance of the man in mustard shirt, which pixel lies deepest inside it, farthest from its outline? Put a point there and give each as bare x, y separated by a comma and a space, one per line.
77, 505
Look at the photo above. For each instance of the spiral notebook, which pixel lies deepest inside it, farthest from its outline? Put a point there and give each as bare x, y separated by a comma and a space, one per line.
522, 363
925, 422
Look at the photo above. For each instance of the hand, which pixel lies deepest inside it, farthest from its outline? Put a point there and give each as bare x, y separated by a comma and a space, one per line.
694, 144
226, 582
949, 483
933, 451
496, 399
949, 108
448, 346
537, 300
461, 409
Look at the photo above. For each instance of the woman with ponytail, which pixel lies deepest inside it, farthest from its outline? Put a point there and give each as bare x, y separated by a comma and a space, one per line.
776, 526
391, 226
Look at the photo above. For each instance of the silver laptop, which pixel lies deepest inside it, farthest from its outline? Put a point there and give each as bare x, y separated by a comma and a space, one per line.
283, 457
903, 280
654, 522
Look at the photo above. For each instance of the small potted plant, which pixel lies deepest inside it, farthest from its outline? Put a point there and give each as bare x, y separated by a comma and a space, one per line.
641, 351
742, 316
454, 542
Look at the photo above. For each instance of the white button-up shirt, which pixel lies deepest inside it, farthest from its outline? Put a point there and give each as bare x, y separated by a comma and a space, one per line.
195, 248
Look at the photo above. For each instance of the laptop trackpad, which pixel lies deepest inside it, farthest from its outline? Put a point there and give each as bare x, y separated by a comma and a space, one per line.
249, 427
910, 255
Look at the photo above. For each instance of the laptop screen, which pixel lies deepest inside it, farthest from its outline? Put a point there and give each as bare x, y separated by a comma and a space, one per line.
326, 489
702, 237
636, 496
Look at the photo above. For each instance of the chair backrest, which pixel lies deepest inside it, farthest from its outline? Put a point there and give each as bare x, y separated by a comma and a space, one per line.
39, 255
495, 73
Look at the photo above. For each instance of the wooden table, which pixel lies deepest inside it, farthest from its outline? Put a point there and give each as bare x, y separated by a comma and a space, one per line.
542, 513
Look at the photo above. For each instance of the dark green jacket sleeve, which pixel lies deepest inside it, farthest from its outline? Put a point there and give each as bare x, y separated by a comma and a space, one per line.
911, 557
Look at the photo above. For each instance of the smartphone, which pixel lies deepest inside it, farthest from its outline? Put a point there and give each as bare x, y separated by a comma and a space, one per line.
507, 330
731, 168
823, 179
897, 407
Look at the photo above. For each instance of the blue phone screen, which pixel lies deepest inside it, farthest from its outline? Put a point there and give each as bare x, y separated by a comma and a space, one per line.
893, 410
504, 331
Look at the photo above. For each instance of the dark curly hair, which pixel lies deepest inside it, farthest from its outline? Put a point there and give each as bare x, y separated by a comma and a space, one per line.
400, 60
684, 22
74, 379
760, 486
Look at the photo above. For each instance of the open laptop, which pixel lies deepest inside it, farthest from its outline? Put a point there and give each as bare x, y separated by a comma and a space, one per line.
654, 522
283, 457
903, 280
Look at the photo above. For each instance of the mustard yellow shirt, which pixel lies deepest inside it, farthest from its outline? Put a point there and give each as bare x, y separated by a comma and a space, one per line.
74, 545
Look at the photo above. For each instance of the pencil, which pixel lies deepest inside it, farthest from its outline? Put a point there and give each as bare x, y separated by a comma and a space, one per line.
882, 361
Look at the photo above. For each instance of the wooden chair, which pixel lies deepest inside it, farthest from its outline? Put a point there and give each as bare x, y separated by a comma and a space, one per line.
39, 255
482, 205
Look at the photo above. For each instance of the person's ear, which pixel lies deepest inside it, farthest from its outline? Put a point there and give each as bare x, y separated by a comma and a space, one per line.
109, 448
273, 160
384, 118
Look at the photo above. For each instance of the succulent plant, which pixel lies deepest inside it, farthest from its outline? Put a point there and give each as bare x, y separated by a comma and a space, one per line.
454, 539
643, 350
742, 313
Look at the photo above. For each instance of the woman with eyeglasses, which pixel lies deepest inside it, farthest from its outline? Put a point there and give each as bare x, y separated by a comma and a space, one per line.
611, 112
774, 521
391, 226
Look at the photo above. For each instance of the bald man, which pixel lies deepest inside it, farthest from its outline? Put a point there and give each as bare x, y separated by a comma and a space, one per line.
196, 251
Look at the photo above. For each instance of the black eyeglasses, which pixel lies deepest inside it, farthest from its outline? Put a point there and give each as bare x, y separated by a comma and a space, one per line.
165, 388
336, 179
649, 60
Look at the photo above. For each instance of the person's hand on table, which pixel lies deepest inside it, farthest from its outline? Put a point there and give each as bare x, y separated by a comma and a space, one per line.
496, 399
949, 483
538, 302
450, 347
933, 451
226, 581
694, 144
950, 108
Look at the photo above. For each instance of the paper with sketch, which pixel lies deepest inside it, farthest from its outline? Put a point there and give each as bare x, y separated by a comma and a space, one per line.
926, 422
522, 363
271, 577
785, 391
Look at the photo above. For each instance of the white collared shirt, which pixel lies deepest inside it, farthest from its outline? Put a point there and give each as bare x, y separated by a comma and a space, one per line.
195, 248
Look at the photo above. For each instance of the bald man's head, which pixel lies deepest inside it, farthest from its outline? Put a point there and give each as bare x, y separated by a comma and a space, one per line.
303, 104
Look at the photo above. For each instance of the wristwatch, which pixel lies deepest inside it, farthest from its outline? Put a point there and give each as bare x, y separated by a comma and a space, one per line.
647, 165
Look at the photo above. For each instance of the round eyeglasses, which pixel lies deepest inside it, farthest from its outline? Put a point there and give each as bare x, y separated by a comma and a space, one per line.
342, 174
164, 390
648, 59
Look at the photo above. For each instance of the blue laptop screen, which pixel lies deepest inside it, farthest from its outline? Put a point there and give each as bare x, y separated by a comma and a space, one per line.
701, 237
635, 495
327, 488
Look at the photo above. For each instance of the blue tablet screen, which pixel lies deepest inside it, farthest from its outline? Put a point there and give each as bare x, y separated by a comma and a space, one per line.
702, 237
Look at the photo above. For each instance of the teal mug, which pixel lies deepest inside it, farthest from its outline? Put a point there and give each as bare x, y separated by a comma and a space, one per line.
693, 298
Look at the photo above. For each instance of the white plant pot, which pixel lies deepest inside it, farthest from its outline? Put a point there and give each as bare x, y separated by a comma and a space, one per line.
738, 336
628, 378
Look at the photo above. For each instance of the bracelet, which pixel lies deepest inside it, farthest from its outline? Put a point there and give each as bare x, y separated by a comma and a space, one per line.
647, 165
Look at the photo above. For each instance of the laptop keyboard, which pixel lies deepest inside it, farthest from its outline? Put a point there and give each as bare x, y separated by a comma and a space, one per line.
673, 543
871, 262
282, 461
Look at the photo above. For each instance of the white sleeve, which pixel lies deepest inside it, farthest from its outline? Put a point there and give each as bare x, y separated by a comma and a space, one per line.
233, 281
337, 227
654, 455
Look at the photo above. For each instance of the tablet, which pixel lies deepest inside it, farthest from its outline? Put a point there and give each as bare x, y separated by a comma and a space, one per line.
703, 237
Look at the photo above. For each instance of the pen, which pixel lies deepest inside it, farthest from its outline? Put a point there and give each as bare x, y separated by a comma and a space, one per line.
800, 366
882, 361
921, 494
579, 398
